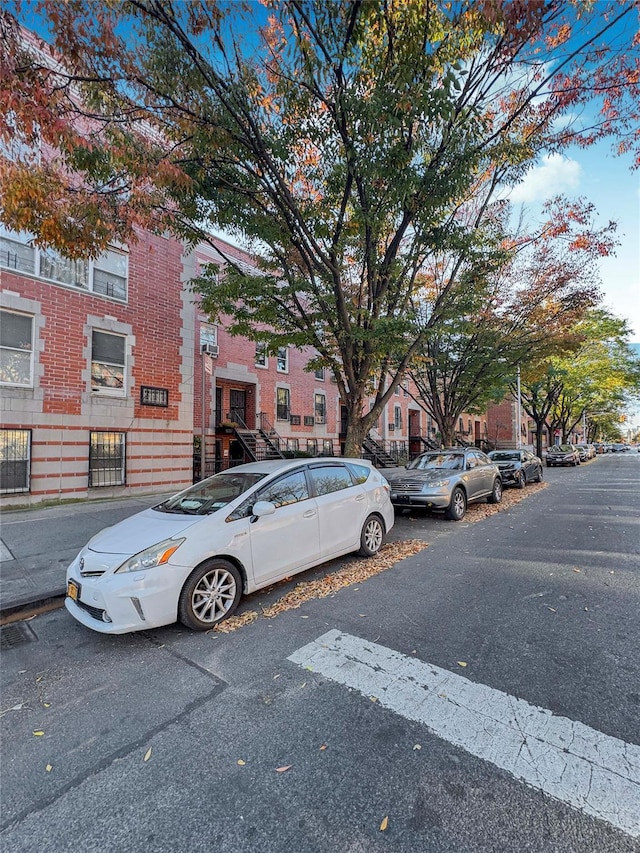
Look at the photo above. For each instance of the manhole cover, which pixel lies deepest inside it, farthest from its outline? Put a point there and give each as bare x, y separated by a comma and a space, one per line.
16, 634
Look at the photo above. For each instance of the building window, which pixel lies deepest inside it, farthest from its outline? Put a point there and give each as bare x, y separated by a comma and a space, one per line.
460, 425
405, 387
327, 446
208, 334
321, 408
261, 355
293, 445
16, 349
312, 446
108, 363
397, 417
282, 365
107, 275
319, 374
107, 459
282, 404
15, 460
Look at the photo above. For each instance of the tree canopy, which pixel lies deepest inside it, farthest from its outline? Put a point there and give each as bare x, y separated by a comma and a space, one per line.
339, 138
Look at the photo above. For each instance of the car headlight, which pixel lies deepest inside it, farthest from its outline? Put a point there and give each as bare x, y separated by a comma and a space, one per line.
151, 557
436, 484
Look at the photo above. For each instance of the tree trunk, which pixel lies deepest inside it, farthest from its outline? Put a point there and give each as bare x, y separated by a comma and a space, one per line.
356, 433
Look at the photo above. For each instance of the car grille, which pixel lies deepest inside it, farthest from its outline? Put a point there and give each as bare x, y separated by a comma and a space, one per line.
91, 574
408, 486
95, 612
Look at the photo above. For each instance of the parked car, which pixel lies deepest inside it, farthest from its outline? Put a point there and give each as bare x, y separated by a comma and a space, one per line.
192, 556
446, 480
600, 447
562, 454
586, 451
517, 467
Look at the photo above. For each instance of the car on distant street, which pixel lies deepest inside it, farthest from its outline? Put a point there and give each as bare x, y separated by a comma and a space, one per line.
586, 451
562, 454
191, 557
517, 467
448, 480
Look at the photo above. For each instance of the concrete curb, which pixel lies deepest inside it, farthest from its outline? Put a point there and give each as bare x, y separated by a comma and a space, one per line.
20, 609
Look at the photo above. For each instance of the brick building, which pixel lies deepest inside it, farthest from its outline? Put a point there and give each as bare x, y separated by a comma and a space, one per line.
96, 371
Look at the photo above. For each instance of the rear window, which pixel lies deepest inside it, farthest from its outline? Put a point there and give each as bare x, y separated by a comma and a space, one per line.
360, 473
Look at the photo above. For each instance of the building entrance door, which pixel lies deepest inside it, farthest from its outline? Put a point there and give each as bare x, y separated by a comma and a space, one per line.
238, 405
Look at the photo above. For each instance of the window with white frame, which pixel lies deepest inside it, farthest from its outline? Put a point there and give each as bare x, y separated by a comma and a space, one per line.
293, 444
16, 349
319, 373
397, 417
15, 460
108, 363
312, 446
282, 364
320, 408
107, 275
282, 404
261, 355
107, 458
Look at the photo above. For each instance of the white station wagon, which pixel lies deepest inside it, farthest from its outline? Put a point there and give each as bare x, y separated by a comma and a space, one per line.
192, 556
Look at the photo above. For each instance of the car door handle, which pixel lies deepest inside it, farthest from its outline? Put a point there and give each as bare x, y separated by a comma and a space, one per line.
309, 513
359, 497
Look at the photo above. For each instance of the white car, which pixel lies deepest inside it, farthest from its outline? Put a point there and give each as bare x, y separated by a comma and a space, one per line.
192, 556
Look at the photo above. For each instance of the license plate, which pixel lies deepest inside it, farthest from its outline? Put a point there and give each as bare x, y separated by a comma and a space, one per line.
73, 590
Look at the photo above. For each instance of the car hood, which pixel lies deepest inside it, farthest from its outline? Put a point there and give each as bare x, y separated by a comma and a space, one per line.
141, 531
512, 464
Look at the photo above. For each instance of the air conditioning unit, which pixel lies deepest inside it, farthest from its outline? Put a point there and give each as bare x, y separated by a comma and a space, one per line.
211, 349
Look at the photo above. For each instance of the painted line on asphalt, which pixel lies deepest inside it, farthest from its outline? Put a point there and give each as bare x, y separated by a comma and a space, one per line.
588, 770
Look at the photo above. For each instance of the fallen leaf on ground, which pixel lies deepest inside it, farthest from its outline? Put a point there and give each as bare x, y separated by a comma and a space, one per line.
49, 768
324, 746
284, 769
461, 663
241, 762
147, 754
417, 746
552, 609
384, 824
579, 571
38, 733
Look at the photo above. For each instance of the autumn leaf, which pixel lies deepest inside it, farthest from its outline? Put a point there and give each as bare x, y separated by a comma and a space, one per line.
38, 734
49, 768
284, 769
323, 747
147, 754
461, 663
577, 570
384, 824
241, 762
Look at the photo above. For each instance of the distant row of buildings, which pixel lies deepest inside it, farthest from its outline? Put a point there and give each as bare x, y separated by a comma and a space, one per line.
113, 381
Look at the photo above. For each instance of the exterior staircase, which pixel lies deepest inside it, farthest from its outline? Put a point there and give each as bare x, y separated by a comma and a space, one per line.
375, 451
259, 444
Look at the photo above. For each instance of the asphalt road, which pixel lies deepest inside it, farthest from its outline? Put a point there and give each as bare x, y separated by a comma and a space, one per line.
540, 602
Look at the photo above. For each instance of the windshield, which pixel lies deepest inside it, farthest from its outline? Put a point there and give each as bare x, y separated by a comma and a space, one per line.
561, 448
504, 456
211, 494
436, 461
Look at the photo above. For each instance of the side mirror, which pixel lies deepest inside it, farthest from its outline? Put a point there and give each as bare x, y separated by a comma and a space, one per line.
261, 508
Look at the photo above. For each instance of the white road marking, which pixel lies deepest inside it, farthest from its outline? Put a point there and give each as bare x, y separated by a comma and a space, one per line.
591, 771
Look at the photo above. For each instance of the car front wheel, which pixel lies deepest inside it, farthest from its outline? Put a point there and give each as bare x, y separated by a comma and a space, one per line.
211, 594
496, 494
521, 482
372, 536
539, 475
458, 506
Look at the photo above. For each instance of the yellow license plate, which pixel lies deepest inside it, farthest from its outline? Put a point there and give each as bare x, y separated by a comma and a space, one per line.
72, 590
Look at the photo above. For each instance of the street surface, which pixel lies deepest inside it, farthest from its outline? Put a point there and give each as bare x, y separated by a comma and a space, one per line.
323, 729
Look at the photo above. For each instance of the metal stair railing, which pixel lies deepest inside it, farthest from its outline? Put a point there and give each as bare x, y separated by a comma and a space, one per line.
275, 444
377, 453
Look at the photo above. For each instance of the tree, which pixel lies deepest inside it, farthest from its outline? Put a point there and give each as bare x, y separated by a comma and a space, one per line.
593, 381
339, 137
506, 309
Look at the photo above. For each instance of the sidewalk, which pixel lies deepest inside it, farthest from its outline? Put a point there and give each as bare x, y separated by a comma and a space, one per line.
37, 545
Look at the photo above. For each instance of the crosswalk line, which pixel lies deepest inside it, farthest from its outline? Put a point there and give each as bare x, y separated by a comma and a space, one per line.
590, 771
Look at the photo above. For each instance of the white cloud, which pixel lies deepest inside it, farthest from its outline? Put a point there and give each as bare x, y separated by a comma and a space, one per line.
555, 175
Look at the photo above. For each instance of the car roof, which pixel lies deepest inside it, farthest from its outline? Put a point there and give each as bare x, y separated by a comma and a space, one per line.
271, 466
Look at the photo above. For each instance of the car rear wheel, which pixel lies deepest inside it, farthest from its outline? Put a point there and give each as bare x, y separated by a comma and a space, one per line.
211, 593
496, 493
372, 536
458, 506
